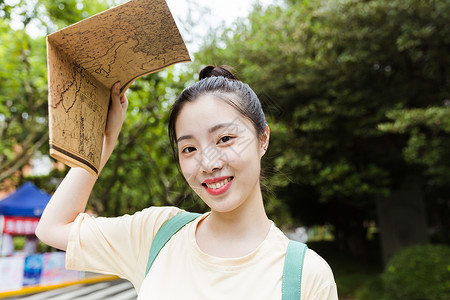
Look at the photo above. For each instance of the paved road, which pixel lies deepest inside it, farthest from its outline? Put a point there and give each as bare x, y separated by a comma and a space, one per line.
111, 290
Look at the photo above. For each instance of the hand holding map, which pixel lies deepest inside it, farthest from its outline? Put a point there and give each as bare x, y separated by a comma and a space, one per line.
85, 60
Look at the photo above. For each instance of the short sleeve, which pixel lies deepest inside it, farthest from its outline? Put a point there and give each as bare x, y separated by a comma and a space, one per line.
117, 246
317, 278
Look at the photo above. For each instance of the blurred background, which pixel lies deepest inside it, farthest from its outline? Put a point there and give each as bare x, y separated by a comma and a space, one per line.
357, 96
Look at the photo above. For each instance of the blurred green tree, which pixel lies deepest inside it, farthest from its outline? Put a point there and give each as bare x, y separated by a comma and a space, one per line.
23, 109
358, 95
141, 171
23, 76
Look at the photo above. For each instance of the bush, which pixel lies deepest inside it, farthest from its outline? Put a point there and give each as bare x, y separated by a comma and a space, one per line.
419, 273
371, 290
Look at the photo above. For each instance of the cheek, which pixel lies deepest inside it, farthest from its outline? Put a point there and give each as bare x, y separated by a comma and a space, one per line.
188, 168
244, 156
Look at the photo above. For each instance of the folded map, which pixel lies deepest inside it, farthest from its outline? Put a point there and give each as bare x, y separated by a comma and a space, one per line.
86, 59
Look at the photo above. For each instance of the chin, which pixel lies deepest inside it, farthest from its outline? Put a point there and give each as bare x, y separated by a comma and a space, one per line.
222, 206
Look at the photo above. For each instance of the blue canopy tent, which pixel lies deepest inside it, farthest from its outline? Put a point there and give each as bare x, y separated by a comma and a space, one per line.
26, 201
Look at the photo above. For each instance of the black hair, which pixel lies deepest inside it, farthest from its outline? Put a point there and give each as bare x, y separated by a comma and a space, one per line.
223, 84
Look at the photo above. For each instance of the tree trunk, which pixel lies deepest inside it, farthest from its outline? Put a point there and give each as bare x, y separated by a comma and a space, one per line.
402, 219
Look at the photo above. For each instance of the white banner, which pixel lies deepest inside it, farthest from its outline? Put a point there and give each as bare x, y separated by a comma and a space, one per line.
54, 271
11, 273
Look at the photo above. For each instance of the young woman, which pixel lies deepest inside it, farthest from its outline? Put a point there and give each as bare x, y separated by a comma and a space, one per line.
219, 135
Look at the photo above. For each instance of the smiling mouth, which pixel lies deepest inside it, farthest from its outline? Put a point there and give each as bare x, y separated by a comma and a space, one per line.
218, 184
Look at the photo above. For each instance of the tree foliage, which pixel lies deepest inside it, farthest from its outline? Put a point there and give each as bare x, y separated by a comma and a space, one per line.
23, 99
356, 94
361, 90
23, 76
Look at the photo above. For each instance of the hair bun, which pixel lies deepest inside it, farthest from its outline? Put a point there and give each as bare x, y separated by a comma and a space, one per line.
213, 71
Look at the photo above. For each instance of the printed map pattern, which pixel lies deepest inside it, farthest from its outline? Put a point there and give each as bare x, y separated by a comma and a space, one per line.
84, 60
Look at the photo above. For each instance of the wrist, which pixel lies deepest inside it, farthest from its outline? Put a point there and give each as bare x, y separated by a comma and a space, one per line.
82, 173
109, 144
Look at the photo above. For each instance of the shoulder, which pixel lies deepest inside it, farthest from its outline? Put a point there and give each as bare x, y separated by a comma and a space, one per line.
153, 217
317, 277
155, 214
316, 265
149, 219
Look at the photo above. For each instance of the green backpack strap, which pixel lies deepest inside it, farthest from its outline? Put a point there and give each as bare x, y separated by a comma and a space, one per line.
292, 272
166, 232
293, 263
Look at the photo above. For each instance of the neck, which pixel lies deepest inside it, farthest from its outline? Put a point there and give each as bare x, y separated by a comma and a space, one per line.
239, 222
249, 216
234, 233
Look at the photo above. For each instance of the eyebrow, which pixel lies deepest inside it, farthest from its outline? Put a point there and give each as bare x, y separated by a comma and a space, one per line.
222, 125
210, 130
184, 137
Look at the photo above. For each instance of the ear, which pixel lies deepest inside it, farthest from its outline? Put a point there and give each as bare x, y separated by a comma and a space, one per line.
264, 141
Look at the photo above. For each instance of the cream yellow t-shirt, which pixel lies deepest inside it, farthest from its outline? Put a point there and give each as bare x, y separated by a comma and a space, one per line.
121, 245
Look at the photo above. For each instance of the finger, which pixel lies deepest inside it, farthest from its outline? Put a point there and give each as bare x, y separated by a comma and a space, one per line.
115, 91
115, 97
124, 102
116, 86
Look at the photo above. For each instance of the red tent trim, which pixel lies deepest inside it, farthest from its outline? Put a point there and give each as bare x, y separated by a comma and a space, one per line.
19, 225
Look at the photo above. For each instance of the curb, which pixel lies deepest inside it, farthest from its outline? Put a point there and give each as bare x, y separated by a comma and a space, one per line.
38, 288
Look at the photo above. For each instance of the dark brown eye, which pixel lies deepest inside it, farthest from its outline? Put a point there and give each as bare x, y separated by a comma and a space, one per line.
225, 139
188, 150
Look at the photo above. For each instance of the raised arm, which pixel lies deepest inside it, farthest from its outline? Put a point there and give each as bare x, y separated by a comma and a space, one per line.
73, 193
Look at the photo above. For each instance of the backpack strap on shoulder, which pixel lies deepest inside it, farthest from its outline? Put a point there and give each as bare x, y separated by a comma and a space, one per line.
292, 272
172, 226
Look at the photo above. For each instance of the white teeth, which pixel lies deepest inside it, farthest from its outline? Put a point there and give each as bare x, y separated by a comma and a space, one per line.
218, 184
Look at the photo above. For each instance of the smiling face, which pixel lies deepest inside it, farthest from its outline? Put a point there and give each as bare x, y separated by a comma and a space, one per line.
219, 154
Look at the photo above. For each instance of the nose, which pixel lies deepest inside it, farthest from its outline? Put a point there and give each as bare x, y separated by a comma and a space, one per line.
210, 163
